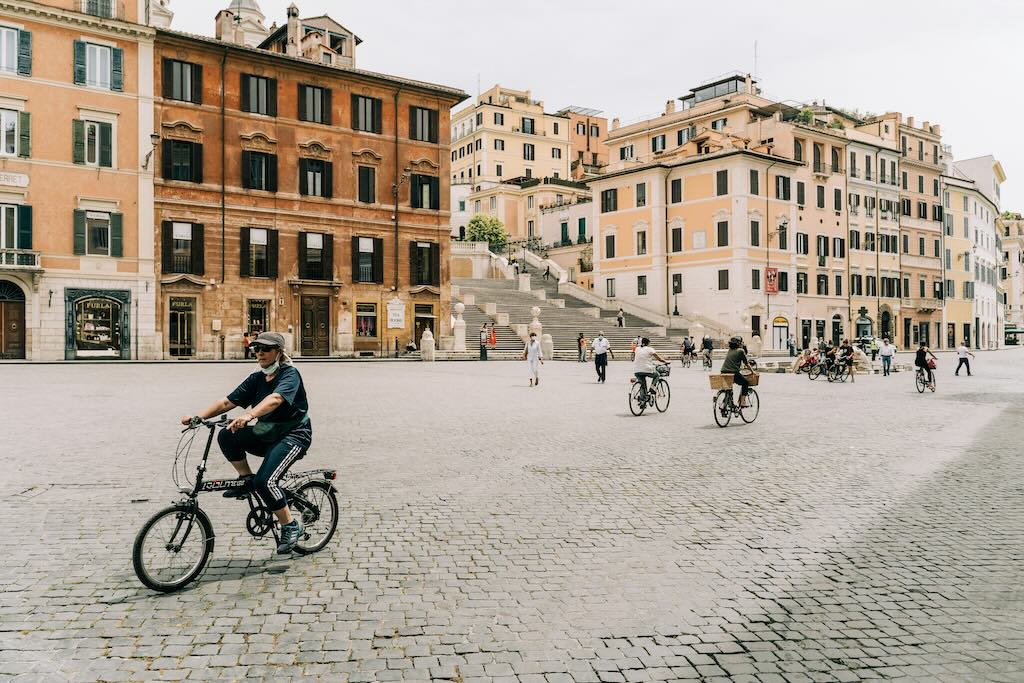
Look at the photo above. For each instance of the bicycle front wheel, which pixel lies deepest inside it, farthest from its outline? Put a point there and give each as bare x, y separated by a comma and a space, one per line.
749, 412
662, 396
636, 402
172, 548
814, 373
723, 407
920, 382
316, 504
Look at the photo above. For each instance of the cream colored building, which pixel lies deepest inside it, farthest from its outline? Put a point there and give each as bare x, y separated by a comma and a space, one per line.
1012, 225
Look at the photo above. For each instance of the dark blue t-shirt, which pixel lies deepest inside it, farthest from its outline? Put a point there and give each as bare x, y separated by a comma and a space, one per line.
286, 382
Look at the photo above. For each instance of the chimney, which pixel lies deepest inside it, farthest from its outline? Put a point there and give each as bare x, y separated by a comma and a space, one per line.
294, 34
926, 126
224, 26
615, 123
937, 129
670, 107
910, 122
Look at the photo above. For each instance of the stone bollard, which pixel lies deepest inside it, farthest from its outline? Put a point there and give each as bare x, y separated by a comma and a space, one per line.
524, 282
427, 345
755, 346
459, 328
547, 346
535, 327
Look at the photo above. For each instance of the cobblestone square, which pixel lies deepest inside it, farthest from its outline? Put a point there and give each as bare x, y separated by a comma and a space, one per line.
491, 531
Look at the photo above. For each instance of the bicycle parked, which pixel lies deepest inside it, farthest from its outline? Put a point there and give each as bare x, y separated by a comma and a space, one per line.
725, 406
174, 546
658, 393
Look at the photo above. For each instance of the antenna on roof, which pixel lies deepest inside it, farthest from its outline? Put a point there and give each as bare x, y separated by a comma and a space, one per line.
755, 60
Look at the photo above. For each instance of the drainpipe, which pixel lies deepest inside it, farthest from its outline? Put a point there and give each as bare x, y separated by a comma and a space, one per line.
223, 154
767, 245
668, 275
397, 178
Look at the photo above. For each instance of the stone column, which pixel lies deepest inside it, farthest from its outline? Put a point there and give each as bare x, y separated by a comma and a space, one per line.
427, 345
547, 346
459, 328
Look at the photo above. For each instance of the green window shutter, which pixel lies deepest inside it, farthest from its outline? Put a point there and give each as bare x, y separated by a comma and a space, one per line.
377, 119
243, 262
197, 83
272, 96
328, 181
116, 234
167, 75
378, 260
24, 227
327, 106
302, 102
355, 259
79, 246
106, 145
25, 53
198, 249
166, 157
272, 172
116, 69
303, 265
24, 134
328, 256
413, 263
244, 92
435, 264
167, 247
272, 253
246, 169
303, 184
79, 63
78, 141
197, 162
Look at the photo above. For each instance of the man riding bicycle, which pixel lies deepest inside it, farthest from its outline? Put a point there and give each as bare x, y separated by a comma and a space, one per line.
276, 401
736, 360
644, 366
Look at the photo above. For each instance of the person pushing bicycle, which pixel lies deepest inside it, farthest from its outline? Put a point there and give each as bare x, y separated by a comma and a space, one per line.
736, 360
276, 403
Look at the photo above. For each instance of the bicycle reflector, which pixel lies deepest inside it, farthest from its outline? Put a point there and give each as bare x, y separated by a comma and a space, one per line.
331, 475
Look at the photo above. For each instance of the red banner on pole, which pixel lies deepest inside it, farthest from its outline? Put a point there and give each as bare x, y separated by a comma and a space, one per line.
771, 280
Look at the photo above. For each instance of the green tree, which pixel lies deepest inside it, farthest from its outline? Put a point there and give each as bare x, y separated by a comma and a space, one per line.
484, 228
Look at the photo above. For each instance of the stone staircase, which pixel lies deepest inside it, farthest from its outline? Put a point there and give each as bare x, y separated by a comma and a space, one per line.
561, 316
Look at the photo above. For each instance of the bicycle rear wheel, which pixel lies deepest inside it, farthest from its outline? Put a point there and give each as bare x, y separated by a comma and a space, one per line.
662, 396
749, 412
814, 373
723, 407
920, 382
172, 548
636, 403
316, 504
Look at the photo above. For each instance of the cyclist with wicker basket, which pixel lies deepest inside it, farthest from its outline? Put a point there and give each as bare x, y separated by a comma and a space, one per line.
643, 364
735, 361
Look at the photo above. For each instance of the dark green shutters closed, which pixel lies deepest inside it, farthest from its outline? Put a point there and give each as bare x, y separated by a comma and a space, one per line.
197, 162
79, 63
167, 246
24, 227
246, 169
78, 141
272, 253
116, 69
106, 145
79, 239
24, 134
25, 53
303, 186
116, 234
198, 249
243, 242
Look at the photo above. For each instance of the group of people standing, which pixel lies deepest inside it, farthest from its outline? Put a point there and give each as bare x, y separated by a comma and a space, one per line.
488, 339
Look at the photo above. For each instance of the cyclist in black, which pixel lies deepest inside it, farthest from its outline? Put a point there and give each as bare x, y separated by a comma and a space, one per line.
735, 360
921, 360
276, 401
846, 357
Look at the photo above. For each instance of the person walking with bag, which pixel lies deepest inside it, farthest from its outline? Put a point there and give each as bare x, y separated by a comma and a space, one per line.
534, 358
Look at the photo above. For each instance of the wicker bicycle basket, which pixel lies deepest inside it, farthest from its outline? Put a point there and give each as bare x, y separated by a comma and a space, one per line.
719, 381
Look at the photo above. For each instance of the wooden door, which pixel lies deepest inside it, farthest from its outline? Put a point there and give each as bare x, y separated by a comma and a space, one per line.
12, 329
315, 325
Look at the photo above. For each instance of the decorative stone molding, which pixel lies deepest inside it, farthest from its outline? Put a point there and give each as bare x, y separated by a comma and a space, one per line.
425, 288
258, 142
424, 165
366, 156
182, 130
314, 149
184, 279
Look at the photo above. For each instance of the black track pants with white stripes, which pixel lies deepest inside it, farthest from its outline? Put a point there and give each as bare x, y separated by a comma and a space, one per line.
277, 458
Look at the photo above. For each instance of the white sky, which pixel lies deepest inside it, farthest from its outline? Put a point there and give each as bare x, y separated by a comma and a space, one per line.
956, 64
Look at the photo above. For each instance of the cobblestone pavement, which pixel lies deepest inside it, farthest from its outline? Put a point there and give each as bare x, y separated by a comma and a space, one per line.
495, 532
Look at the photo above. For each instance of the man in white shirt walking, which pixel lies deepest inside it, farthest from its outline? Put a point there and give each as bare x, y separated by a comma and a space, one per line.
643, 364
534, 358
601, 349
962, 352
886, 351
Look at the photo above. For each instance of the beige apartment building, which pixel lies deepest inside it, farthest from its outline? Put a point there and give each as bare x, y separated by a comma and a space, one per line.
1012, 227
76, 181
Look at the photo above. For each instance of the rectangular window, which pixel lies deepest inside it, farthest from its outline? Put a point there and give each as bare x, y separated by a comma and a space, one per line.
641, 195
723, 233
904, 182
920, 246
366, 114
822, 246
425, 263
259, 171
920, 184
935, 187
609, 288
719, 124
182, 81
368, 260
838, 247
581, 230
366, 320
755, 233
498, 170
314, 178
677, 239
677, 190
821, 196
641, 243
259, 95
185, 157
423, 124
499, 145
754, 185
783, 236
8, 49
641, 285
755, 279
677, 283
782, 187
625, 152
683, 135
937, 249
314, 104
837, 200
801, 197
367, 184
181, 248
609, 201
783, 281
98, 65
658, 143
839, 285
258, 252
723, 280
801, 283
609, 246
499, 119
822, 285
528, 151
312, 267
802, 243
528, 126
425, 192
721, 183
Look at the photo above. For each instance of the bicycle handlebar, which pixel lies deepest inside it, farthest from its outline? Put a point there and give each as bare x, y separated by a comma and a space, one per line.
198, 421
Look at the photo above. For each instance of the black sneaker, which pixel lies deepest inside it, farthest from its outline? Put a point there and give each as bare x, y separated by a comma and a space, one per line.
290, 534
240, 491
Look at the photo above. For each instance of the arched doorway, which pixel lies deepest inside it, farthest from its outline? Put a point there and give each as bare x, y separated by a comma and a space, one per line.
837, 329
886, 325
12, 320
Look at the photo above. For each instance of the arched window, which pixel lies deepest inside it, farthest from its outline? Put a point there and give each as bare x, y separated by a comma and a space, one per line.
798, 151
835, 160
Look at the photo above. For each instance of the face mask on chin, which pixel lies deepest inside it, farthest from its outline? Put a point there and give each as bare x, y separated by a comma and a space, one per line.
270, 369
